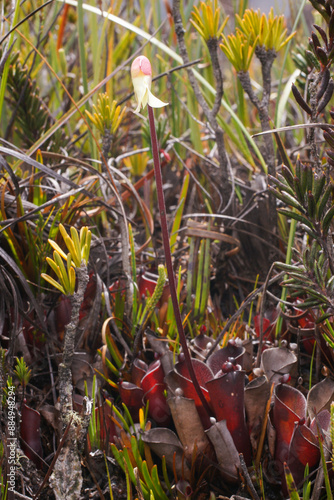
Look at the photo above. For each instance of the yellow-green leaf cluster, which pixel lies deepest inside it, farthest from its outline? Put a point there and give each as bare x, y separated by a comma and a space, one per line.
269, 31
206, 20
66, 276
77, 245
106, 117
239, 50
79, 248
137, 163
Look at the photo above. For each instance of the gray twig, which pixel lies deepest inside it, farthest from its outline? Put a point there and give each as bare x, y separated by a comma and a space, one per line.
222, 175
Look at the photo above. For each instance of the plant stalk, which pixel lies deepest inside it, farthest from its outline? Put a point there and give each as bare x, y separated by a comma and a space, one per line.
168, 257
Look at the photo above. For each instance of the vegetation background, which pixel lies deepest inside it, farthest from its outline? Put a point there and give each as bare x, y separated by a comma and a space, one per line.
126, 387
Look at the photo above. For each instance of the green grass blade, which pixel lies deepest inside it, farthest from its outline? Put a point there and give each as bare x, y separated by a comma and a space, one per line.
199, 281
288, 258
134, 281
206, 277
179, 60
179, 212
290, 484
284, 97
108, 475
324, 468
287, 52
4, 75
190, 272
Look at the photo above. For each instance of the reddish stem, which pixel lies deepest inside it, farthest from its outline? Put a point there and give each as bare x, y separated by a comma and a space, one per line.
62, 25
168, 257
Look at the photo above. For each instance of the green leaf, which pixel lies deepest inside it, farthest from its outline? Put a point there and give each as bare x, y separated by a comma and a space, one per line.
290, 484
328, 217
179, 212
71, 248
155, 487
319, 184
63, 274
280, 185
287, 199
53, 266
53, 283
289, 267
296, 216
83, 236
129, 465
118, 456
323, 201
324, 468
322, 318
76, 242
57, 248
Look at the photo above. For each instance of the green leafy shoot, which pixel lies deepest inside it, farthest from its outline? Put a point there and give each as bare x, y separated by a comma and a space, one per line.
22, 372
206, 20
79, 249
266, 31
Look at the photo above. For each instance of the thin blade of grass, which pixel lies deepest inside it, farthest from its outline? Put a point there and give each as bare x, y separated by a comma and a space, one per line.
179, 212
198, 291
206, 277
177, 58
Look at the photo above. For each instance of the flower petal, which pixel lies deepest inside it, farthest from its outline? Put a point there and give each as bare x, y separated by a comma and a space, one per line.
141, 85
154, 102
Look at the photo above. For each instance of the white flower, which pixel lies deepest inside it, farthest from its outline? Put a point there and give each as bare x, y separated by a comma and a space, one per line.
141, 74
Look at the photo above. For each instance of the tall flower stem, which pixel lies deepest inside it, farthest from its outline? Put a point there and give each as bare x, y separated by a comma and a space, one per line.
168, 257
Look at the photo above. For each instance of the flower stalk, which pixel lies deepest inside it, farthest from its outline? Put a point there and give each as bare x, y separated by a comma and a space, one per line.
141, 74
168, 257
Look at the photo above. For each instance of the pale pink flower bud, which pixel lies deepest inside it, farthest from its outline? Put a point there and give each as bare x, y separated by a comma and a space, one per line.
141, 74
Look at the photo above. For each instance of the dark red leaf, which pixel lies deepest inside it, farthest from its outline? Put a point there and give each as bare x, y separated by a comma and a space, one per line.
322, 422
200, 343
147, 283
183, 490
139, 369
320, 397
277, 362
303, 450
154, 387
203, 374
269, 322
132, 397
31, 436
265, 326
154, 375
158, 408
289, 407
257, 393
218, 358
107, 426
227, 399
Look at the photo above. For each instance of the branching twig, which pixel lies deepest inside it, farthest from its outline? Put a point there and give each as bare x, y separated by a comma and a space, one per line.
212, 44
266, 58
210, 114
65, 368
